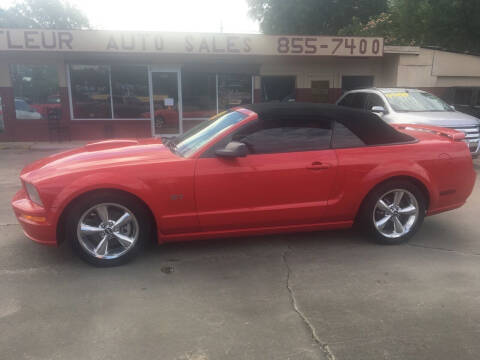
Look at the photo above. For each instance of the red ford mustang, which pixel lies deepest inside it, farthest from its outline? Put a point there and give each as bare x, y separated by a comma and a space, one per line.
257, 169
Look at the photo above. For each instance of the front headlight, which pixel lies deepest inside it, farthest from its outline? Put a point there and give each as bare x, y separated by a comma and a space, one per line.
33, 194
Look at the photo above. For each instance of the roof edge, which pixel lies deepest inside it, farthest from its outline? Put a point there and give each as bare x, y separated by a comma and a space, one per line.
408, 50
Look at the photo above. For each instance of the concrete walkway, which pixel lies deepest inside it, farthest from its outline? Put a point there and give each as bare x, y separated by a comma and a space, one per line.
313, 296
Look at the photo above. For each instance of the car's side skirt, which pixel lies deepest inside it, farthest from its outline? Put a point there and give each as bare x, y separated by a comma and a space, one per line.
163, 238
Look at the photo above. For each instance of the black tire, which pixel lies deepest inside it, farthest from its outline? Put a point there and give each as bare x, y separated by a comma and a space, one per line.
140, 213
369, 212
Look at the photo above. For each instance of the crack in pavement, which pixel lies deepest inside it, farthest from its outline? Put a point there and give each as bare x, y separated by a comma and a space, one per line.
442, 249
293, 300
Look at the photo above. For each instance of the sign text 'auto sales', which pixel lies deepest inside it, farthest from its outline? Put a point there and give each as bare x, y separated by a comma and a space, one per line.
186, 43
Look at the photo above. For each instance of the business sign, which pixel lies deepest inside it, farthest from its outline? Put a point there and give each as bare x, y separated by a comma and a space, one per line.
186, 43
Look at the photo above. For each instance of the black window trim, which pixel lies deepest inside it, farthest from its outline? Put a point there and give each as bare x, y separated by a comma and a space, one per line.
332, 140
333, 147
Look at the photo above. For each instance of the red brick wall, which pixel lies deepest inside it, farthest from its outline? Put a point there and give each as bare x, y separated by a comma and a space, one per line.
37, 130
101, 129
303, 95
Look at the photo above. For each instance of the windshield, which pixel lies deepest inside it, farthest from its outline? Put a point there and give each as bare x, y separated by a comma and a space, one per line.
195, 138
416, 101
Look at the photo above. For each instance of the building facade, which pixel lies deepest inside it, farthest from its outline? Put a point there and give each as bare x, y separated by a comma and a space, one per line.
83, 85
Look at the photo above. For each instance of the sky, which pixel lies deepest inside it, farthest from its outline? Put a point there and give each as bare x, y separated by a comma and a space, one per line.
166, 15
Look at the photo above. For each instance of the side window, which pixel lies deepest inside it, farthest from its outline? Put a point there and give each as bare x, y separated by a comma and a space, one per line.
355, 100
359, 101
289, 135
345, 138
374, 100
346, 101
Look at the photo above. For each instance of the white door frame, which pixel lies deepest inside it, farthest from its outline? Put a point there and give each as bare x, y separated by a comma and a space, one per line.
165, 69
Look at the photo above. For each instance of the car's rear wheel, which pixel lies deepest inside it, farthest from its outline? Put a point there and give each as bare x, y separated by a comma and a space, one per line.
393, 212
108, 229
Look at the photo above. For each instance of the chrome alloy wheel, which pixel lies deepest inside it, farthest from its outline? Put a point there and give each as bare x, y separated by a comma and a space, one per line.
107, 230
395, 213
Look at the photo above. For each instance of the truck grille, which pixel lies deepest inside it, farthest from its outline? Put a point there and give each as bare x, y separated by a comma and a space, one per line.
472, 137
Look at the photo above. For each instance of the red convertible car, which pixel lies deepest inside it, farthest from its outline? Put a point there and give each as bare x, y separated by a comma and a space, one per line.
256, 169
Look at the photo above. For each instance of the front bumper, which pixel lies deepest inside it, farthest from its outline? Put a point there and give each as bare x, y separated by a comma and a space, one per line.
472, 138
34, 220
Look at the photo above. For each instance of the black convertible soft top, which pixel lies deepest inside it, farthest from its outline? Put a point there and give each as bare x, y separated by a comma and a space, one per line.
370, 128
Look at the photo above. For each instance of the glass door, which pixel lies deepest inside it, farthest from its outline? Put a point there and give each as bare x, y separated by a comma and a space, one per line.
165, 105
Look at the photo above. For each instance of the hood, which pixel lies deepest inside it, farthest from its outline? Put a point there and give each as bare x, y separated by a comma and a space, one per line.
97, 156
435, 118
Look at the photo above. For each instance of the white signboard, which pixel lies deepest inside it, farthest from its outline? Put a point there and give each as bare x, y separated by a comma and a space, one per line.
187, 43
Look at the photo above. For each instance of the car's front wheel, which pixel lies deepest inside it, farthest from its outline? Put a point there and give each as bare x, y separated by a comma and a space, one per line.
108, 229
393, 212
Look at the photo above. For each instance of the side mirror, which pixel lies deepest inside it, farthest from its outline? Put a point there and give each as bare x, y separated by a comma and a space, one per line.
232, 150
452, 107
379, 110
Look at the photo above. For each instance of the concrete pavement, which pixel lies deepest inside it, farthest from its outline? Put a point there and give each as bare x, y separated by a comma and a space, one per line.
329, 295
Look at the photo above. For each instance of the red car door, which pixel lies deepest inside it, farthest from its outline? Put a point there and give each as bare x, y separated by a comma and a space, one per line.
286, 178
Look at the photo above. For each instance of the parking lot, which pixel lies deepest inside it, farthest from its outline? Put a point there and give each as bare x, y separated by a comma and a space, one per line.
331, 295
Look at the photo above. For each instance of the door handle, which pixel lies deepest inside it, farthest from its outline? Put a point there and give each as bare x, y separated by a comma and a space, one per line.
317, 165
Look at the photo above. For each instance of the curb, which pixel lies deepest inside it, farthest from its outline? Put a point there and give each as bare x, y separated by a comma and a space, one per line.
31, 146
15, 146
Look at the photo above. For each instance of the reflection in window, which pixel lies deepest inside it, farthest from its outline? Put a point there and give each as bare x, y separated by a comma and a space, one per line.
90, 91
411, 101
234, 90
34, 86
199, 95
206, 131
278, 88
165, 102
130, 91
289, 135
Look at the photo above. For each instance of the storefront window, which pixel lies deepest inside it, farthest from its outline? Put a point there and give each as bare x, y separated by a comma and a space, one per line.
278, 88
122, 92
90, 85
165, 103
36, 90
130, 92
199, 95
2, 127
234, 90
